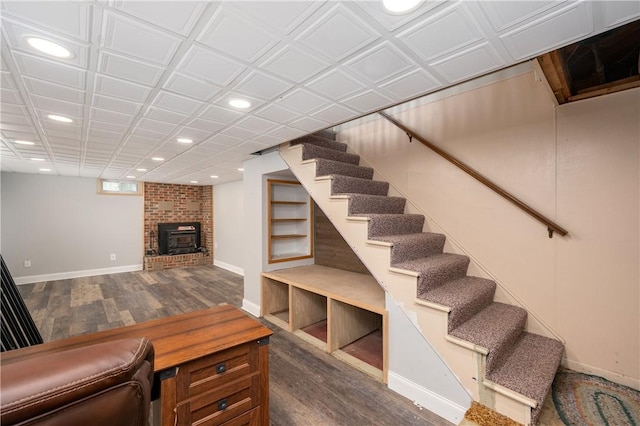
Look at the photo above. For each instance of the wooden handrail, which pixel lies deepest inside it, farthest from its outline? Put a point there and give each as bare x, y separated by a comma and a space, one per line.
551, 226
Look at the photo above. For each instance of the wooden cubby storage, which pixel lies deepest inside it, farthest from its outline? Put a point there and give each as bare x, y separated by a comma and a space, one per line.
339, 311
289, 221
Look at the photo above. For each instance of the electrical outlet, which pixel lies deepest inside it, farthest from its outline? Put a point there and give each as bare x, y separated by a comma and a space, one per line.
27, 264
113, 256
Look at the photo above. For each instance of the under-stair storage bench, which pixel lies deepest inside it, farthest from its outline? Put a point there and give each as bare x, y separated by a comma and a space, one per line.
341, 312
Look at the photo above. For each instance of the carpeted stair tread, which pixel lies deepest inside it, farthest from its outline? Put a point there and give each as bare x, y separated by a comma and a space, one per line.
326, 134
496, 328
412, 246
352, 185
530, 368
361, 204
436, 270
326, 167
321, 141
311, 151
394, 224
465, 296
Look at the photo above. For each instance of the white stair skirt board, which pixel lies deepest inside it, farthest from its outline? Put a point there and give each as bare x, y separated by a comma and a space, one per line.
251, 308
228, 267
427, 399
76, 274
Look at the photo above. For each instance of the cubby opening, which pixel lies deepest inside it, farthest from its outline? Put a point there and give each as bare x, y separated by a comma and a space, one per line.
275, 302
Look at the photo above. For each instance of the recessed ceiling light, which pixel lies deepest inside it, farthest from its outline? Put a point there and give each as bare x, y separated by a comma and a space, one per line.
184, 140
240, 103
37, 159
400, 6
214, 176
24, 142
59, 118
45, 170
241, 169
194, 181
131, 177
141, 170
157, 158
49, 47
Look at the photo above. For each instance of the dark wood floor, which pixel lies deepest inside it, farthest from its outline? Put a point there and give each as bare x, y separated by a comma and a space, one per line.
307, 386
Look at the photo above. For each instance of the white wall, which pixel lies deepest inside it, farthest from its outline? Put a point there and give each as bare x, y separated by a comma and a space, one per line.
577, 164
66, 229
228, 212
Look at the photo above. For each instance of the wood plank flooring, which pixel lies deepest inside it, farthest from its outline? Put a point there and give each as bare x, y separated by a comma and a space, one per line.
307, 386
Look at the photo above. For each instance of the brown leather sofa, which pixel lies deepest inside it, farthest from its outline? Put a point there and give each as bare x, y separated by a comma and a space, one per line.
103, 384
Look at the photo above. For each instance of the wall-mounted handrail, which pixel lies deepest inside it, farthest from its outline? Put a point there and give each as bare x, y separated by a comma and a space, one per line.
551, 226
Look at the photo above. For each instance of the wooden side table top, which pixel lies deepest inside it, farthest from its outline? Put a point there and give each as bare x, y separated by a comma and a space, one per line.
176, 340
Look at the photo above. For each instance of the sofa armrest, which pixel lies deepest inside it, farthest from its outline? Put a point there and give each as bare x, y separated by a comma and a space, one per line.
110, 380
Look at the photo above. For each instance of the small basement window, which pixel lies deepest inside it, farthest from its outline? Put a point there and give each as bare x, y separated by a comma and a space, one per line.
119, 187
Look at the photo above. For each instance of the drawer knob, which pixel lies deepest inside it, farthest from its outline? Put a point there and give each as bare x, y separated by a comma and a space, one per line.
223, 404
221, 368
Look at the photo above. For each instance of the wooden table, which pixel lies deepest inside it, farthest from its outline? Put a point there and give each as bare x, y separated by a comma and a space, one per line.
212, 365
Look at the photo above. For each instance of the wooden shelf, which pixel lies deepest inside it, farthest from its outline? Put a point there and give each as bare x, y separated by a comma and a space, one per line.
288, 256
350, 304
285, 236
293, 219
289, 202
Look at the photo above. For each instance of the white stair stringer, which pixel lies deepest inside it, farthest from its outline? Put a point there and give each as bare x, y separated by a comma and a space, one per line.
465, 360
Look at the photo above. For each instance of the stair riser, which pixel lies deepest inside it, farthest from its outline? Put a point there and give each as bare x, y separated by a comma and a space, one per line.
322, 142
398, 225
344, 185
482, 301
438, 276
414, 250
363, 205
324, 168
309, 152
496, 356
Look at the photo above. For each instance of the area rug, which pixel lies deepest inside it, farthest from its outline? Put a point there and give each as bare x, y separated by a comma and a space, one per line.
582, 399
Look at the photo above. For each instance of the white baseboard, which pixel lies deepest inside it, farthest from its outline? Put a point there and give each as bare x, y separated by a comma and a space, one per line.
251, 307
76, 274
228, 267
427, 399
579, 367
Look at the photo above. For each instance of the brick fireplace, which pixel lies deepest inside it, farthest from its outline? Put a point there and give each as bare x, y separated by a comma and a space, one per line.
168, 203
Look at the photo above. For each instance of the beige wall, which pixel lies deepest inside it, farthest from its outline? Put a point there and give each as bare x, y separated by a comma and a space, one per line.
577, 164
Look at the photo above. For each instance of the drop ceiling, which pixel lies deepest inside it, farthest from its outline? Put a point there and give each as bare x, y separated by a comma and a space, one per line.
146, 73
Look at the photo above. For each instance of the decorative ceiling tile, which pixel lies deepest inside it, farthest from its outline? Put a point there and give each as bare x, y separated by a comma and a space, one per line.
70, 18
302, 101
221, 115
110, 127
335, 84
294, 64
337, 34
277, 113
196, 135
11, 96
620, 12
177, 103
239, 132
60, 107
474, 61
367, 101
550, 31
283, 16
223, 140
382, 62
7, 81
263, 86
507, 14
50, 71
335, 114
164, 115
190, 87
256, 124
411, 84
156, 126
206, 125
287, 133
115, 104
210, 66
111, 116
43, 88
137, 39
309, 124
234, 35
179, 16
425, 39
129, 69
120, 89
392, 21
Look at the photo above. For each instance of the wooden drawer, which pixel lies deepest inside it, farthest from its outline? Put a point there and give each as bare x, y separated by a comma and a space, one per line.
217, 370
250, 418
221, 405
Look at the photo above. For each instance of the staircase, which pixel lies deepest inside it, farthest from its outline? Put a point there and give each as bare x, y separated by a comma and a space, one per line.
484, 342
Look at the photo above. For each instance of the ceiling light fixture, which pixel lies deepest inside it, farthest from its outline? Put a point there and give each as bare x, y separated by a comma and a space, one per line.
184, 140
131, 177
45, 170
214, 176
240, 103
141, 170
157, 158
37, 159
59, 118
24, 142
49, 47
400, 6
194, 181
241, 169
